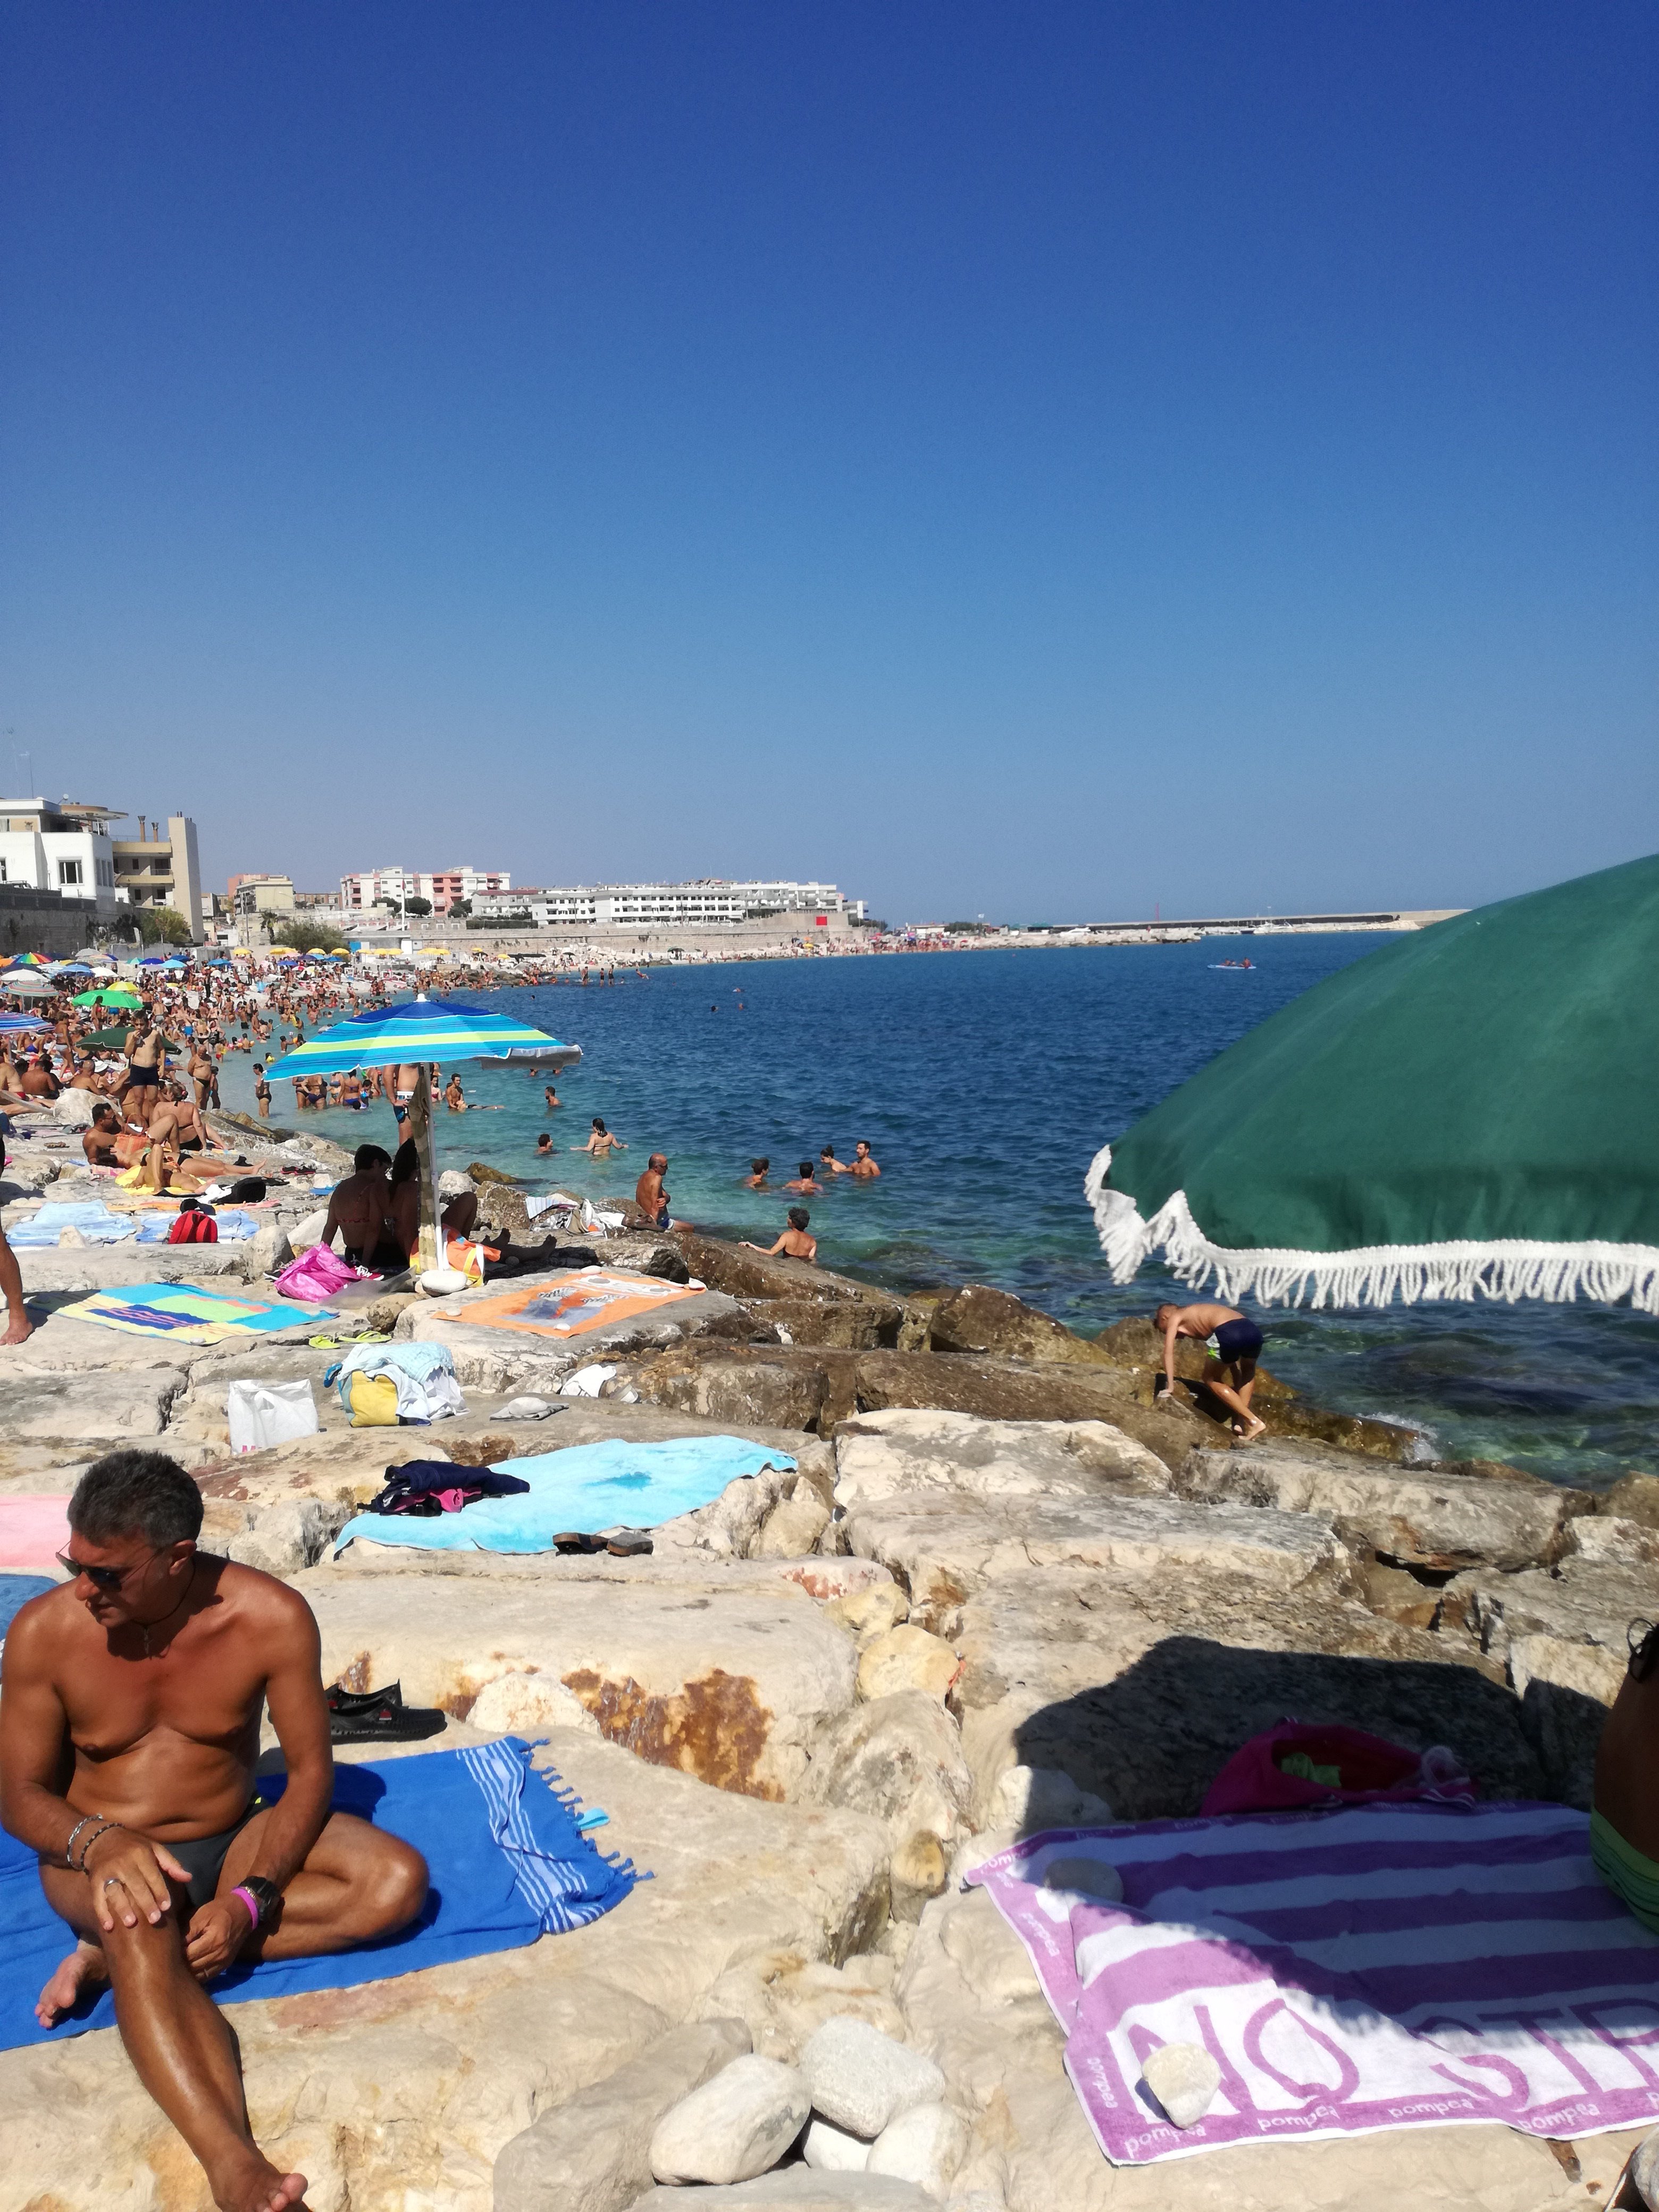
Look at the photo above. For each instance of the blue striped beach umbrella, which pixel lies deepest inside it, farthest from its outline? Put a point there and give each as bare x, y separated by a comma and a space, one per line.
420, 1032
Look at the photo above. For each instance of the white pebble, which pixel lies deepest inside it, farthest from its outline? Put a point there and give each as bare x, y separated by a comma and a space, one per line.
734, 2127
1184, 2079
861, 2078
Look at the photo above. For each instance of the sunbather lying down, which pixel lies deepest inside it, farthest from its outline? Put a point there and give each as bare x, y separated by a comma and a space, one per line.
1624, 1823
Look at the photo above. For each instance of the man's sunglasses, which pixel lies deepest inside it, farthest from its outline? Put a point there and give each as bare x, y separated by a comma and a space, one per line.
103, 1578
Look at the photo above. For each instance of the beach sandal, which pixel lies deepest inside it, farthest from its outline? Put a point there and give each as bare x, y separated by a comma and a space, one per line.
575, 1540
628, 1544
380, 1716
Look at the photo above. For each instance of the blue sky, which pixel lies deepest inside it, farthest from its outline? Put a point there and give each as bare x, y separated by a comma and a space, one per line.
1031, 460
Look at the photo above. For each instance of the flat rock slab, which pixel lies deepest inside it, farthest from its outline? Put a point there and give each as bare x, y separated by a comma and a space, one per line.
1141, 1690
1584, 1601
403, 2092
112, 1266
93, 1409
797, 2189
729, 1691
946, 1548
1425, 1519
890, 1454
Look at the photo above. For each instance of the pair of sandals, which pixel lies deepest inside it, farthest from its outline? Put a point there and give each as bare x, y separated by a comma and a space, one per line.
621, 1543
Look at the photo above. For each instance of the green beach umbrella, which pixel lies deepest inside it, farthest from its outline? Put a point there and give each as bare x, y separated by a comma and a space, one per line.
113, 994
419, 1031
1472, 1111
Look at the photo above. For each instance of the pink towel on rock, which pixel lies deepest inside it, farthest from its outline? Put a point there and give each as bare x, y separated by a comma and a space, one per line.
33, 1531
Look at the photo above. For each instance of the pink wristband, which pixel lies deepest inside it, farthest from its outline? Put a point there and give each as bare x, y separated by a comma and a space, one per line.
251, 1903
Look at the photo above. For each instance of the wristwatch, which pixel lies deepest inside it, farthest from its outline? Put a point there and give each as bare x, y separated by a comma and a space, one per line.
265, 1895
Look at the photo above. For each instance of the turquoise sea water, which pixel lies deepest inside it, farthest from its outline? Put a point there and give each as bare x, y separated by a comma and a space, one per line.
985, 1082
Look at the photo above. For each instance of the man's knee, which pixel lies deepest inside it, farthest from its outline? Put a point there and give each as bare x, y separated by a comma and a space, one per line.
395, 1885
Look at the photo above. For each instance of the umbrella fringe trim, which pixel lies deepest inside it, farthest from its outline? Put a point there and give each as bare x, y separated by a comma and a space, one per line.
1504, 1271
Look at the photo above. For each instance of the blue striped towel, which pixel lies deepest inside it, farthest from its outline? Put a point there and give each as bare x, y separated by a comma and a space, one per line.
508, 1864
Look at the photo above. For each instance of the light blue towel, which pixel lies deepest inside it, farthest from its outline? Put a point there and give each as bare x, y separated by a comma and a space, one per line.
584, 1489
90, 1216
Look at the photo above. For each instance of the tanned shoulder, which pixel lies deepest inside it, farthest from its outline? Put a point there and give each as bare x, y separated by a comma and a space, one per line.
262, 1598
38, 1630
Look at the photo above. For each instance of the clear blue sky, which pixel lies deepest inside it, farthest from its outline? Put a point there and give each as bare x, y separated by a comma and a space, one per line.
1030, 460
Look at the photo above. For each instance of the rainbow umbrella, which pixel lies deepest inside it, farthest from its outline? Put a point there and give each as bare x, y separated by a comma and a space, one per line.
27, 960
419, 1032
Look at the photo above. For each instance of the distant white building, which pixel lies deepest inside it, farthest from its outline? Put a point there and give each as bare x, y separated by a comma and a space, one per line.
619, 906
442, 888
64, 846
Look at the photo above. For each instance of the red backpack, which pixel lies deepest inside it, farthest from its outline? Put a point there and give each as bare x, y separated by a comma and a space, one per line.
194, 1228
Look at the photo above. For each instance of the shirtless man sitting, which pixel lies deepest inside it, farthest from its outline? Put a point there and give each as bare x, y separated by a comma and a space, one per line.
1229, 1371
38, 1080
649, 1196
100, 1141
129, 1733
359, 1209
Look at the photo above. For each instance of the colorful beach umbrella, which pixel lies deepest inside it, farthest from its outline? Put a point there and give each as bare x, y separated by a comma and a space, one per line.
420, 1032
1471, 1111
27, 960
27, 983
107, 994
16, 1025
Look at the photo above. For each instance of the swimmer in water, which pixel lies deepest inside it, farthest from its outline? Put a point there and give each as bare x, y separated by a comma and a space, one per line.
755, 1179
804, 1182
600, 1143
795, 1244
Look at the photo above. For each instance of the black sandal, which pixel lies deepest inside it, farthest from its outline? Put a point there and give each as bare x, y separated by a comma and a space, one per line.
380, 1716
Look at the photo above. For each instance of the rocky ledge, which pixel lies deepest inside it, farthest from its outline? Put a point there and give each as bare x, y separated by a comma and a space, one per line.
997, 1589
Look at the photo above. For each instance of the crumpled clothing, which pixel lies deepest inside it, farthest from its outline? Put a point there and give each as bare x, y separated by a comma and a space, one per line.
423, 1376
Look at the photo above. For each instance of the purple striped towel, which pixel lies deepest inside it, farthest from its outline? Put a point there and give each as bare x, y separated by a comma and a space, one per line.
1380, 1966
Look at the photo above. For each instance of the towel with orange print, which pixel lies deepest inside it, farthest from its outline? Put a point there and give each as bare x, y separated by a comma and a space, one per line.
569, 1303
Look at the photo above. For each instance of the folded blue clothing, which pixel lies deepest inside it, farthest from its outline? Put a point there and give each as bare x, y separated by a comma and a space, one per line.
508, 1860
91, 1216
583, 1489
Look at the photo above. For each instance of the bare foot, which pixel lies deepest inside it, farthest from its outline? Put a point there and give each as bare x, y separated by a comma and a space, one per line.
1258, 1427
84, 1964
252, 2184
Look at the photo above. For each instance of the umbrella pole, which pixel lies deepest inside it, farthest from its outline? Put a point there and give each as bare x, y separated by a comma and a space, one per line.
420, 1128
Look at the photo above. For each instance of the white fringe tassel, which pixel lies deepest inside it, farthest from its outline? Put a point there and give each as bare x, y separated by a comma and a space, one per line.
1507, 1270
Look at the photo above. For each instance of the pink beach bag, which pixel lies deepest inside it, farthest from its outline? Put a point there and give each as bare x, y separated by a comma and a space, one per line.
1299, 1765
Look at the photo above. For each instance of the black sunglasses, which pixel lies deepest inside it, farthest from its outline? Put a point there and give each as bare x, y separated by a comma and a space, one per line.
105, 1578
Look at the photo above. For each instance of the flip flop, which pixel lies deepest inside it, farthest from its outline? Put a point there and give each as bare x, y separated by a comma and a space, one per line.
628, 1544
572, 1540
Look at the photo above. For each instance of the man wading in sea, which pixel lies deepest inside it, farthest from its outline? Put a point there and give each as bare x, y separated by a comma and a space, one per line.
1229, 1372
142, 1681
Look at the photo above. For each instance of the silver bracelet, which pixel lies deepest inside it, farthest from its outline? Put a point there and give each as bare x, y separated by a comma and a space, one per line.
92, 1839
85, 1820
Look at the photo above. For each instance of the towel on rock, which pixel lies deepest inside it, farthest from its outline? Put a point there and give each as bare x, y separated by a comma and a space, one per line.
90, 1218
507, 1860
33, 1531
584, 1489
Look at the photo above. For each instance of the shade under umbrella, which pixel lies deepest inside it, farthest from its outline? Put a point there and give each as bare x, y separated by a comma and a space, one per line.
1469, 1111
419, 1032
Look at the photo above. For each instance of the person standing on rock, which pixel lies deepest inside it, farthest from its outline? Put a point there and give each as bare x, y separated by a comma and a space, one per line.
129, 1733
1234, 1343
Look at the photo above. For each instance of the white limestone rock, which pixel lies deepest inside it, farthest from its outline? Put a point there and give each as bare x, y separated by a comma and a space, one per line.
862, 2079
734, 2127
891, 1454
797, 2189
868, 1613
593, 2151
1184, 2078
907, 1658
925, 2145
1031, 1798
289, 1536
1644, 2170
829, 2149
792, 1528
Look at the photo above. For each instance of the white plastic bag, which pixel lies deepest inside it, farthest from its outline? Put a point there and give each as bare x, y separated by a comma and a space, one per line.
264, 1413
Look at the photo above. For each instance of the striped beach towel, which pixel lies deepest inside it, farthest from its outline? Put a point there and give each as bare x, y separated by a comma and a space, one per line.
1380, 1966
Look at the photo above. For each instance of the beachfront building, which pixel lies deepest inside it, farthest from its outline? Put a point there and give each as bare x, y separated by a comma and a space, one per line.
675, 906
442, 888
253, 896
64, 846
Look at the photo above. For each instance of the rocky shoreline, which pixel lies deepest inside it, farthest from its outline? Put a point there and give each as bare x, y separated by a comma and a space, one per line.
1000, 1589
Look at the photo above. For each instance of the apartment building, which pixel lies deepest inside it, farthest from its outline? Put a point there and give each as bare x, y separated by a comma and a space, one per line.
690, 905
65, 845
442, 888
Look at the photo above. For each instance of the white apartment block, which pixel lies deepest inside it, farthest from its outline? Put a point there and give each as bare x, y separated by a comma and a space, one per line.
64, 846
440, 887
612, 906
